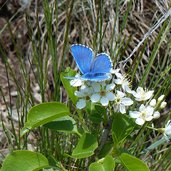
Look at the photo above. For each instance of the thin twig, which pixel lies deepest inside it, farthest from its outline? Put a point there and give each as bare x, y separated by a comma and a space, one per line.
152, 29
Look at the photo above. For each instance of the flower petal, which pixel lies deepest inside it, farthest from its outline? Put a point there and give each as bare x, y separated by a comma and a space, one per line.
95, 98
148, 117
104, 101
142, 108
149, 110
134, 114
118, 81
76, 82
148, 95
110, 87
122, 109
110, 96
127, 101
139, 121
79, 94
168, 128
120, 94
81, 104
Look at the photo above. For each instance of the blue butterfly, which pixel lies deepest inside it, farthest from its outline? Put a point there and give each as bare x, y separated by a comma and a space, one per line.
93, 69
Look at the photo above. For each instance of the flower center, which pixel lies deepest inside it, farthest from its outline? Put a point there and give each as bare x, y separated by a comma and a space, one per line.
143, 114
118, 100
103, 93
87, 98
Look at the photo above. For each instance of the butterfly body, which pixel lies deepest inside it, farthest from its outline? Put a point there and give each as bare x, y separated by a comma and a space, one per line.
93, 69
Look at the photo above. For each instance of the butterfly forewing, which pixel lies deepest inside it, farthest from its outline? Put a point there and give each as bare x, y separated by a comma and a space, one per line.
83, 56
101, 64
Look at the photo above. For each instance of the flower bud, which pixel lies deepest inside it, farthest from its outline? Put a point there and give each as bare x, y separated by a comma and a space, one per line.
163, 105
153, 102
156, 115
161, 98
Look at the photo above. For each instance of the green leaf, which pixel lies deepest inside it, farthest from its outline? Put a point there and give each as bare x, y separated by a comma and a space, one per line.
23, 160
66, 83
132, 163
64, 124
107, 164
97, 113
107, 147
86, 146
44, 113
122, 126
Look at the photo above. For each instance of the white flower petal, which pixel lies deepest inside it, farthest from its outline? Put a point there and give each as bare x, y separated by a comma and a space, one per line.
119, 75
118, 81
76, 82
149, 110
110, 87
120, 94
140, 89
142, 108
127, 101
95, 98
148, 117
127, 89
104, 101
168, 128
79, 94
148, 95
139, 121
114, 71
134, 114
122, 109
110, 96
81, 104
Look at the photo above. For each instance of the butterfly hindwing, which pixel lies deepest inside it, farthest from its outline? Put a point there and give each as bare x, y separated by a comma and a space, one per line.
97, 77
83, 56
101, 64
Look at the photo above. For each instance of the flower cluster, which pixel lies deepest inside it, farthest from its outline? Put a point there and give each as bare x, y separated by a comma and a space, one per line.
118, 92
148, 108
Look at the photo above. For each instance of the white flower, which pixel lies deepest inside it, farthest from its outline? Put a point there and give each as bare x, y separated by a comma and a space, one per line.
84, 93
145, 113
163, 105
167, 129
153, 102
142, 95
121, 101
102, 93
76, 82
121, 80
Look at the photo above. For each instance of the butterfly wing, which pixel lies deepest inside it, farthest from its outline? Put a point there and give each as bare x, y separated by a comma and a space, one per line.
101, 64
83, 56
97, 77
